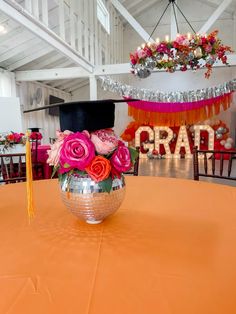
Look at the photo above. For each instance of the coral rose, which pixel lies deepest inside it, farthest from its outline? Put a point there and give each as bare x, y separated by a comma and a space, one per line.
54, 152
121, 159
61, 135
99, 169
77, 152
104, 141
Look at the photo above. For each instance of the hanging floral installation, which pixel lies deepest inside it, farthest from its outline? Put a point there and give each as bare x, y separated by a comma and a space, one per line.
173, 108
185, 52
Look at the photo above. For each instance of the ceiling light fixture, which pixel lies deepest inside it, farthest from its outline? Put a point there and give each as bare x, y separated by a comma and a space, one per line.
187, 51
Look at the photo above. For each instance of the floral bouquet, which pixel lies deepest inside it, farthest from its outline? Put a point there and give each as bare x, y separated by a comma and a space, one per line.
12, 138
99, 155
185, 52
36, 136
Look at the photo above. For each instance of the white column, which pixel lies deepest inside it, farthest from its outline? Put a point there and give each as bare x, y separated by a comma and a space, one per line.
93, 87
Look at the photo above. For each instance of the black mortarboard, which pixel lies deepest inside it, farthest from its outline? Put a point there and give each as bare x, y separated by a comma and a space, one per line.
34, 129
85, 115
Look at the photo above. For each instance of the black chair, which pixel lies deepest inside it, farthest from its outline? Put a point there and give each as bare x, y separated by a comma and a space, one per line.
213, 173
52, 140
12, 168
135, 169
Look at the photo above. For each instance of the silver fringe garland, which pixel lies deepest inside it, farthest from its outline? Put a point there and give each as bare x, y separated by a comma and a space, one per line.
178, 96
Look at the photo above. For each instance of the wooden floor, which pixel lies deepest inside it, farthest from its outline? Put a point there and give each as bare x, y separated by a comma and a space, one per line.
179, 168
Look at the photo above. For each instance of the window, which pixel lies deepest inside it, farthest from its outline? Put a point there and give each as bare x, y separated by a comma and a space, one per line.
103, 15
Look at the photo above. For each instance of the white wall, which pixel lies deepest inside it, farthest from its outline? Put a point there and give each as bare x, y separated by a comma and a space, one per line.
10, 117
7, 84
41, 119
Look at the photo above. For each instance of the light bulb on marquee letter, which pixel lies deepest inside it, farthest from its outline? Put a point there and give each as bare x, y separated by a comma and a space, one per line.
164, 141
148, 146
182, 141
211, 137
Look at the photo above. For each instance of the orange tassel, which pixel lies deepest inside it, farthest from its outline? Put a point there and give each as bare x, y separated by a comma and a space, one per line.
29, 179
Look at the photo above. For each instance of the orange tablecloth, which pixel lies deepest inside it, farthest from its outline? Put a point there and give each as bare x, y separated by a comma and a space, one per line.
170, 249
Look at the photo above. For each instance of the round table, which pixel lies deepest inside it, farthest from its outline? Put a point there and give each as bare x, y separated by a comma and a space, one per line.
169, 249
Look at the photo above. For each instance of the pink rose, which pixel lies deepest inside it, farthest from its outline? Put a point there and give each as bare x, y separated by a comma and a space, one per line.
208, 48
104, 141
141, 53
180, 39
121, 159
18, 137
77, 151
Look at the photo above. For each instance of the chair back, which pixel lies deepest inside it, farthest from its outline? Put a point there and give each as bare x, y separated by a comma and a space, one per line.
135, 169
223, 173
52, 140
12, 168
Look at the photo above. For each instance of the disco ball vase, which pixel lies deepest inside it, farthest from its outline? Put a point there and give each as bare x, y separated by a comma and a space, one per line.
85, 199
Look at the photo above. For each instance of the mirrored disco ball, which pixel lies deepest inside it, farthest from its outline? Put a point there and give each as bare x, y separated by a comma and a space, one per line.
143, 72
85, 199
150, 63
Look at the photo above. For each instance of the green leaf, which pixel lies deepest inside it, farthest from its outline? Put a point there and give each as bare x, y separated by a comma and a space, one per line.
62, 176
66, 165
106, 185
133, 154
55, 169
80, 172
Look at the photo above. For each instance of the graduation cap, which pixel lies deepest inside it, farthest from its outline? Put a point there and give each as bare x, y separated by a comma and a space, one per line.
34, 129
85, 115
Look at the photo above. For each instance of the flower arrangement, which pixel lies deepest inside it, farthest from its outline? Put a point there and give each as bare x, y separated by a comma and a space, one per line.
12, 138
185, 52
99, 155
36, 136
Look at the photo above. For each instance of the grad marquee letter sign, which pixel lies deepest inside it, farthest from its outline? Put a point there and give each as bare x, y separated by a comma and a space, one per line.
182, 140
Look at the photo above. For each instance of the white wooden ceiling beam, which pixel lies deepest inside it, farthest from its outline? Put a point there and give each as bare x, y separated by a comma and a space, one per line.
40, 64
80, 85
131, 20
76, 85
68, 84
77, 72
35, 55
129, 6
216, 14
16, 49
17, 13
215, 5
51, 74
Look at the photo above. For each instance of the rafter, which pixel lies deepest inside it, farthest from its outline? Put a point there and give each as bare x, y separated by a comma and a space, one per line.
216, 14
35, 55
131, 20
214, 5
16, 49
17, 13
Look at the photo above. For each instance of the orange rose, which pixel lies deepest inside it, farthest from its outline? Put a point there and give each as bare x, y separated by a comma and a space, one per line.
99, 169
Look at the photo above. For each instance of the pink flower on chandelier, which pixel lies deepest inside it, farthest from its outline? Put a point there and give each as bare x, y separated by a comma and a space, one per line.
185, 52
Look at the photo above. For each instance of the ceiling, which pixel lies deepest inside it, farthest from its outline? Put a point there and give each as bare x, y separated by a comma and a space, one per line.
20, 49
